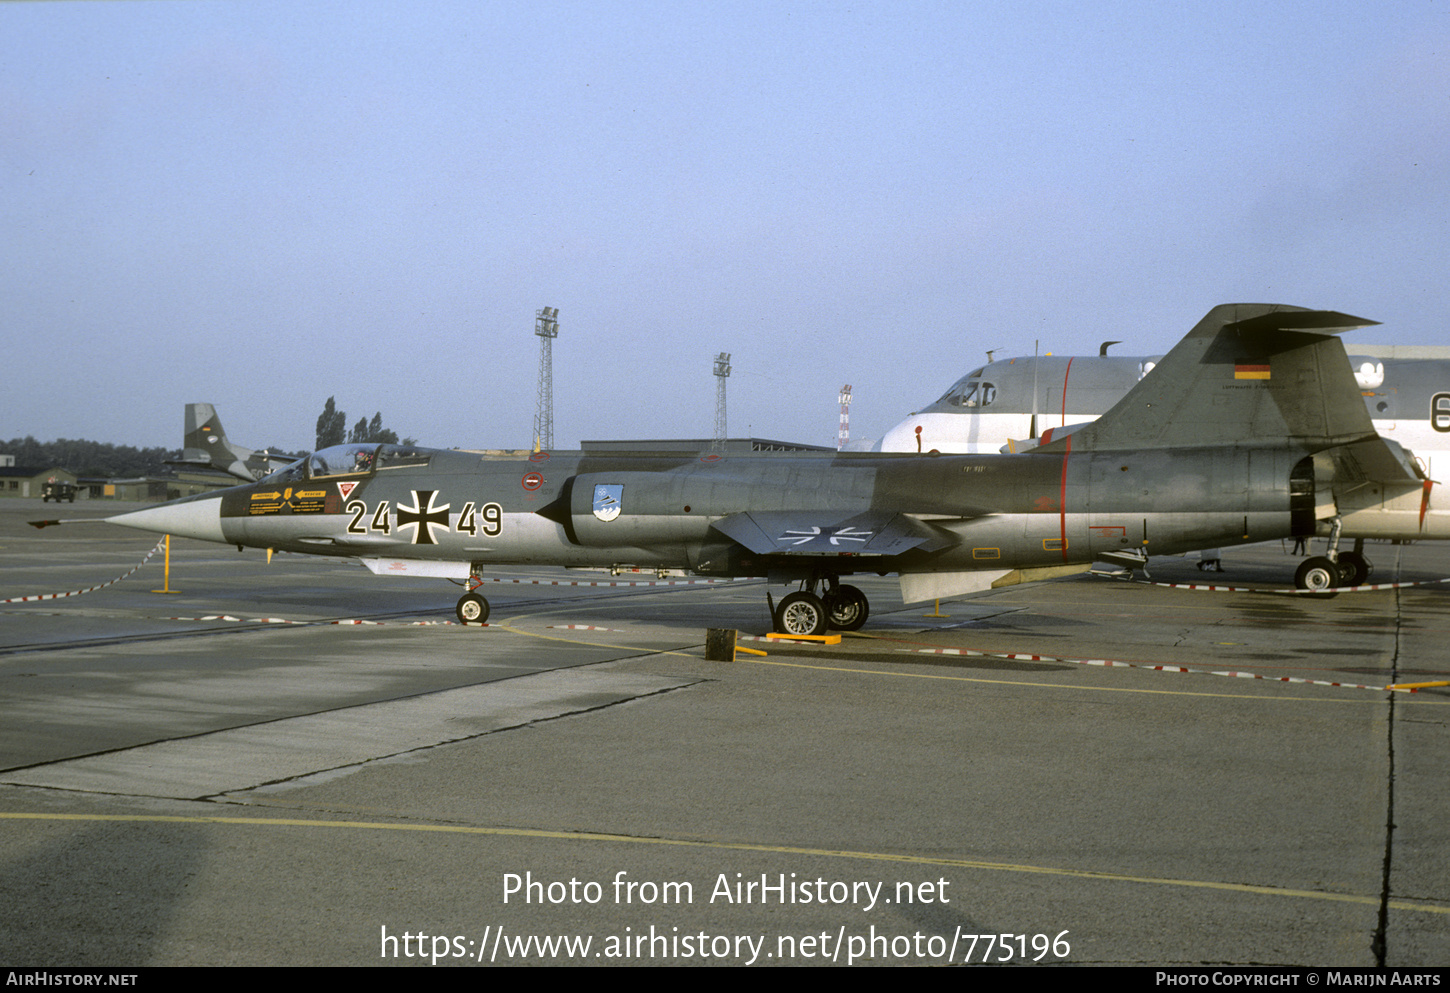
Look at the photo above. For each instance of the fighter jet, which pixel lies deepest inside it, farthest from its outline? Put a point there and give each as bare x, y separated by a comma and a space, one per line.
205, 445
1236, 436
1015, 404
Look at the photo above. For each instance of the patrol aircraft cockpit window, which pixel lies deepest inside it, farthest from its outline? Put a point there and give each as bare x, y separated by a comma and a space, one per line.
970, 393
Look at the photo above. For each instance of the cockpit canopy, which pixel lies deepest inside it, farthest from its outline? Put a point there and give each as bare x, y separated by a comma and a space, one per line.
351, 460
969, 391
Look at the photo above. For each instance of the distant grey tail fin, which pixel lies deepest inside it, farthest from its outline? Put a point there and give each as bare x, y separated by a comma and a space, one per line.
205, 444
1249, 375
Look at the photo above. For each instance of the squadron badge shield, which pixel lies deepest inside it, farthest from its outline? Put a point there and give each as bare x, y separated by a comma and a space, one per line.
607, 500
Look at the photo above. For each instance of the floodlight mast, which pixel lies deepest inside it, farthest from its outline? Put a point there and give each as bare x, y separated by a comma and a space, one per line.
546, 326
722, 372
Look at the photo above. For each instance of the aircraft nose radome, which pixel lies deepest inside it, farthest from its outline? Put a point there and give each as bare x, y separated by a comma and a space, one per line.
192, 519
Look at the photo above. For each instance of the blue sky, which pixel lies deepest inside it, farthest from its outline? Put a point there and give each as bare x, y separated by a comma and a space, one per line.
261, 205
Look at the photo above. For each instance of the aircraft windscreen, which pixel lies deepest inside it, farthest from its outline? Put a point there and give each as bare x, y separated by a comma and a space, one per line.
291, 473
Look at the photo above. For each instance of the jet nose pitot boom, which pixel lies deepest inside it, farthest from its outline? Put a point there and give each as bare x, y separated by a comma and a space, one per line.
190, 517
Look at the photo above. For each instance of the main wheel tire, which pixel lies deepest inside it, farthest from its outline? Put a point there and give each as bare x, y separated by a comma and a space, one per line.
801, 613
1354, 569
1317, 574
846, 608
472, 609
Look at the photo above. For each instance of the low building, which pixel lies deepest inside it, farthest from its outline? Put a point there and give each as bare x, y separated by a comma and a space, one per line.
28, 481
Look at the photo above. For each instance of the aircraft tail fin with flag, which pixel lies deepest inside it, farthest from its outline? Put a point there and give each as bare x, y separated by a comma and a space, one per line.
205, 445
1248, 375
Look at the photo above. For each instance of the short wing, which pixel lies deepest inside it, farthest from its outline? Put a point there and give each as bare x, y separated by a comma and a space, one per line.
821, 532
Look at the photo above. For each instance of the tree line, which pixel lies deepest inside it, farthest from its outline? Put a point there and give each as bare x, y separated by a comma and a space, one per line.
90, 458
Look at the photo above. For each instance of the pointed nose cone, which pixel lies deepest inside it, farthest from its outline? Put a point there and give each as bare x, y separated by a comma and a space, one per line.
190, 517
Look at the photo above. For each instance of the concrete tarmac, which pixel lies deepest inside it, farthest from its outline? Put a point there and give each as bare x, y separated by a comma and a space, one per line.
299, 763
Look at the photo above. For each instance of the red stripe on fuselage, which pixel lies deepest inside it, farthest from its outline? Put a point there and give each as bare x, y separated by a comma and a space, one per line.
1066, 373
1062, 495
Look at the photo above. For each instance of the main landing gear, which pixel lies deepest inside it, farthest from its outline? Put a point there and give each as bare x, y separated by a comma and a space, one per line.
1334, 569
1323, 573
838, 606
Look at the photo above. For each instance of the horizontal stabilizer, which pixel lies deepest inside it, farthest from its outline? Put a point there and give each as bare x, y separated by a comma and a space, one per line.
830, 533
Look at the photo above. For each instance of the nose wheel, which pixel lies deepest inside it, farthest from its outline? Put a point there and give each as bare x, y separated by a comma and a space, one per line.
471, 609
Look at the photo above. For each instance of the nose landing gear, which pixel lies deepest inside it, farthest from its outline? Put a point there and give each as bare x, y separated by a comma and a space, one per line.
472, 608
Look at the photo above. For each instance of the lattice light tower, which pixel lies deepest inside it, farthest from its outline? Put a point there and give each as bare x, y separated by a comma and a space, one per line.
546, 326
844, 434
722, 372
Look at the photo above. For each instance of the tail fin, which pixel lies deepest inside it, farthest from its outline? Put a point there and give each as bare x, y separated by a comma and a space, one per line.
204, 434
1250, 375
205, 444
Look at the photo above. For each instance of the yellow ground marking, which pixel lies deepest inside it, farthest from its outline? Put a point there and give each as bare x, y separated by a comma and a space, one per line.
1112, 877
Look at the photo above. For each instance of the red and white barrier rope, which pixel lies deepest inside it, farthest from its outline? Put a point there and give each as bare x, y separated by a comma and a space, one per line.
1021, 657
88, 589
1209, 587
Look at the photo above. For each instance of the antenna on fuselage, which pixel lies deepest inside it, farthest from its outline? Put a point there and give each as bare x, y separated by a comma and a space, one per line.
1103, 348
1032, 432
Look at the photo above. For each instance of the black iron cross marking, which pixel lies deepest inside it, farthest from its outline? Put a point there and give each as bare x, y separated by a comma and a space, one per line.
423, 517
